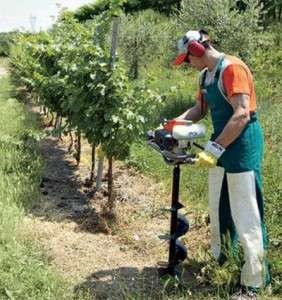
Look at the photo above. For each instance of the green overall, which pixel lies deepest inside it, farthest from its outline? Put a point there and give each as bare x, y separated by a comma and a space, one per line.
243, 156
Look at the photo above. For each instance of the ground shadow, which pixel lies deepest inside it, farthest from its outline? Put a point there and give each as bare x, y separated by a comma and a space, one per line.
122, 283
132, 283
64, 194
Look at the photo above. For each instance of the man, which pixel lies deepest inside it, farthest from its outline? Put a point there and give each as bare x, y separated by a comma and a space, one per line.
233, 154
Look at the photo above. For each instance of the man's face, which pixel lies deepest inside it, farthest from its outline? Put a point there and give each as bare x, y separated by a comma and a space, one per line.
195, 62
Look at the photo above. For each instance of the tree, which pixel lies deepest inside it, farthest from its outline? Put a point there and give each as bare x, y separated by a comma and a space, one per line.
145, 37
272, 11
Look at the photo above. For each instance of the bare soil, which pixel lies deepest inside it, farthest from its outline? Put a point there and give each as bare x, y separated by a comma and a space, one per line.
111, 259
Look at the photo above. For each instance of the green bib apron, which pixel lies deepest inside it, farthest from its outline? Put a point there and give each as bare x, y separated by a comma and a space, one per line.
242, 155
246, 152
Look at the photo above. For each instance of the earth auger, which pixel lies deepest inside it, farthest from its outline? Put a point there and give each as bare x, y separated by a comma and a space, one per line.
174, 141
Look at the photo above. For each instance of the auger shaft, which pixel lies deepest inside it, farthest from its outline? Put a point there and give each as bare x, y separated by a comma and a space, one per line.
173, 221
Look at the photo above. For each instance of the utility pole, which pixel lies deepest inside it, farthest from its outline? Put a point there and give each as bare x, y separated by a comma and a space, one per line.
32, 20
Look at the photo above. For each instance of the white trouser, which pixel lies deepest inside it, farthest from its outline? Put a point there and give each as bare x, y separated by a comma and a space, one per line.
246, 217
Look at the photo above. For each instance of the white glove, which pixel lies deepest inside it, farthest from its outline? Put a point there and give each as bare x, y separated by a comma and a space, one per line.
214, 148
208, 158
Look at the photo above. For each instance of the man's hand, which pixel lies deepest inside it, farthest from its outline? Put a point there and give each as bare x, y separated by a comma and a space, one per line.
208, 158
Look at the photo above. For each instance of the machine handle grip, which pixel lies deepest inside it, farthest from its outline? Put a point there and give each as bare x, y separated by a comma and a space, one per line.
199, 146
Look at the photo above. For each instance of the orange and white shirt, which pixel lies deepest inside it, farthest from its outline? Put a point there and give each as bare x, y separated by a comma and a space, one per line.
235, 78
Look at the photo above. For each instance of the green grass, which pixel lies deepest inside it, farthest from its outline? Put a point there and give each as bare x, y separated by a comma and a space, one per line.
273, 186
4, 62
24, 271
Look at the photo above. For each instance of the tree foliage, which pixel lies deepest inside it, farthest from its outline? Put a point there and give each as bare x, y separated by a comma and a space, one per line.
230, 29
89, 11
272, 11
145, 38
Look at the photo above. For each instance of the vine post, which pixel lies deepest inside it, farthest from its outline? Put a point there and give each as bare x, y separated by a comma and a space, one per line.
111, 199
92, 171
77, 145
99, 177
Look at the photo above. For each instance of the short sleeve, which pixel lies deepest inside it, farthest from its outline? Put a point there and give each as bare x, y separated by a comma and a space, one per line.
236, 80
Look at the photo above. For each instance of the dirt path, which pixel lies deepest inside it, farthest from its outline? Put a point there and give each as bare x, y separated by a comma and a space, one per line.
69, 226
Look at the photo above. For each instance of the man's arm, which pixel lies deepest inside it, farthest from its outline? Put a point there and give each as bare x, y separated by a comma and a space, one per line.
194, 113
238, 121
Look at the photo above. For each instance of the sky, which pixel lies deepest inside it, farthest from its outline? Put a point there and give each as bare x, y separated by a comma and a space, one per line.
33, 14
